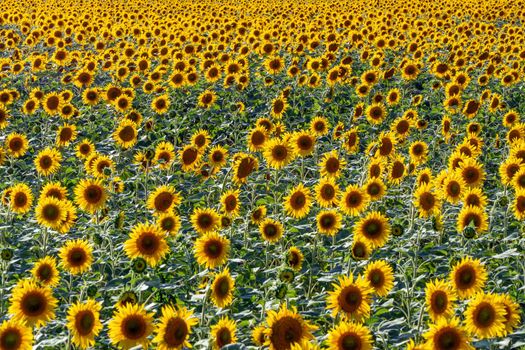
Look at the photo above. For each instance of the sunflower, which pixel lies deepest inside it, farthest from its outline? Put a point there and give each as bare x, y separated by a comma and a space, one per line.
15, 335
130, 326
91, 96
90, 195
285, 328
207, 99
190, 158
319, 126
52, 103
200, 139
148, 242
50, 212
373, 228
126, 134
32, 304
85, 148
294, 258
174, 328
303, 143
351, 298
160, 104
271, 230
21, 198
169, 222
218, 156
327, 192
380, 276
259, 335
4, 116
66, 134
485, 316
298, 202
212, 250
376, 167
361, 249
350, 141
401, 127
472, 172
76, 256
354, 200
329, 222
427, 202
102, 167
509, 168
375, 113
453, 188
440, 298
278, 153
257, 138
243, 166
45, 271
258, 214
396, 170
16, 144
163, 199
512, 313
447, 334
475, 197
279, 106
349, 336
71, 217
472, 216
204, 220
331, 165
518, 204
83, 321
418, 152
411, 345
393, 97
230, 203
468, 277
375, 188
222, 289
223, 333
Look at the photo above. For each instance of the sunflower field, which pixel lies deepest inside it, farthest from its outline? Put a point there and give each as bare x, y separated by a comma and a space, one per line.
283, 175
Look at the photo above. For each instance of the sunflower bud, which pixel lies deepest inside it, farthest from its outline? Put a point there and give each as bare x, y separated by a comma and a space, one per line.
139, 265
7, 254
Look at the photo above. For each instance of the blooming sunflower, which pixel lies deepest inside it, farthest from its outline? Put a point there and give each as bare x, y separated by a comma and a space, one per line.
259, 335
20, 198
351, 298
350, 140
83, 321
327, 192
66, 134
472, 172
427, 202
16, 144
472, 216
174, 328
373, 228
329, 222
258, 214
375, 188
126, 134
354, 200
380, 276
76, 256
485, 316
278, 153
190, 158
285, 328
32, 304
298, 202
204, 220
475, 197
453, 187
212, 250
303, 143
84, 148
223, 333
148, 242
271, 230
243, 166
163, 199
375, 113
512, 313
15, 335
440, 298
468, 277
230, 203
218, 156
169, 222
160, 104
349, 335
50, 212
447, 334
90, 195
319, 126
361, 248
130, 326
294, 258
206, 99
45, 271
331, 165
222, 289
518, 204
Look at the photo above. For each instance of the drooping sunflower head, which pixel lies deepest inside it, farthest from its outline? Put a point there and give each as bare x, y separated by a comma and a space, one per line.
361, 248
